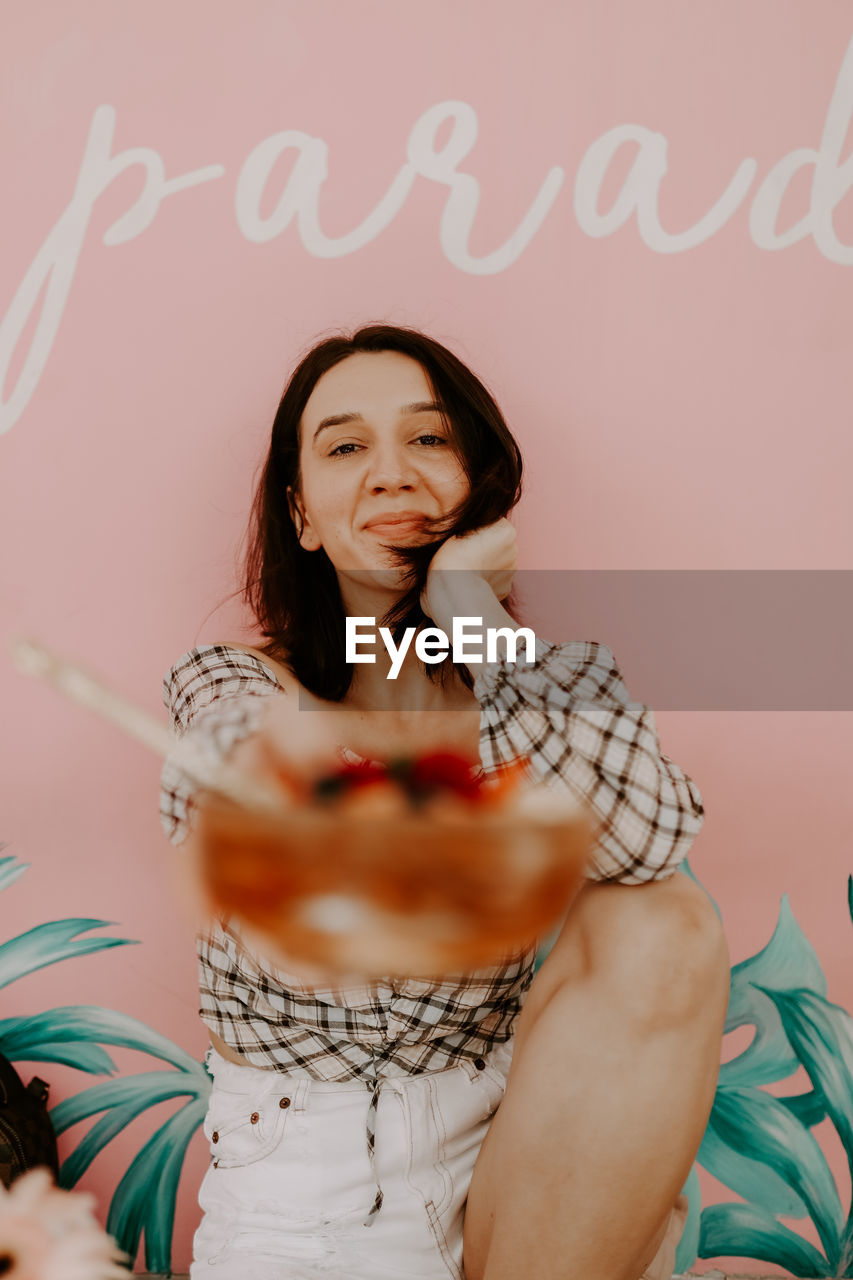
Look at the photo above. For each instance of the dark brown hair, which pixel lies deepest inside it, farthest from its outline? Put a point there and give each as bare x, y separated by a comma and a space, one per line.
294, 593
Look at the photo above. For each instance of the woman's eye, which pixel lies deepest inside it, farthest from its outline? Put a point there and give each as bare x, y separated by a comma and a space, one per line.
429, 440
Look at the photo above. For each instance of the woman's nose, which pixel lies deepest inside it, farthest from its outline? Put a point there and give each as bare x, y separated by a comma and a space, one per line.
391, 469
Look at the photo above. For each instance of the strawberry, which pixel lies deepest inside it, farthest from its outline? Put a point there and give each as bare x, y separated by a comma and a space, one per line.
443, 771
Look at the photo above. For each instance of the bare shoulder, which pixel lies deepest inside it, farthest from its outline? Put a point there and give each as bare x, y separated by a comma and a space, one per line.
286, 679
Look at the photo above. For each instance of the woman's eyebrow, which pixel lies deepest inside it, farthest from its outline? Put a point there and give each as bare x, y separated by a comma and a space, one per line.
337, 419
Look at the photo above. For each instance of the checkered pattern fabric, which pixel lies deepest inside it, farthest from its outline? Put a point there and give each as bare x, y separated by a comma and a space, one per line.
569, 714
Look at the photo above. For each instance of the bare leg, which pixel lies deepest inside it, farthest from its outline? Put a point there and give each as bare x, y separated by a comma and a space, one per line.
613, 1078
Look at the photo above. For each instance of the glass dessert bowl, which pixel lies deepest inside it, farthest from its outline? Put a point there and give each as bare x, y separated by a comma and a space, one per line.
419, 868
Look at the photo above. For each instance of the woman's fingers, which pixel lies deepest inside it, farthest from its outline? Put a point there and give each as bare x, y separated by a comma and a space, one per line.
488, 555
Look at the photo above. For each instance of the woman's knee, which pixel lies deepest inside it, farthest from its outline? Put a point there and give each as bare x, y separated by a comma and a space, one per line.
659, 948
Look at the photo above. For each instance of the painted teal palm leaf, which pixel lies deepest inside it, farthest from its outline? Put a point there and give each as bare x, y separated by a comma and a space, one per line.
788, 962
75, 1035
10, 869
785, 1173
122, 1101
779, 1143
788, 959
747, 1231
89, 1024
134, 1210
749, 1178
83, 1056
49, 943
145, 1089
822, 1033
809, 1108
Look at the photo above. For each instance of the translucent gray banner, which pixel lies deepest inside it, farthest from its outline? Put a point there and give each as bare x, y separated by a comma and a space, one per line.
694, 640
708, 640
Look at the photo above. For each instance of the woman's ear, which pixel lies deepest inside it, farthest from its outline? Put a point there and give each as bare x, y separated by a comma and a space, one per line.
308, 539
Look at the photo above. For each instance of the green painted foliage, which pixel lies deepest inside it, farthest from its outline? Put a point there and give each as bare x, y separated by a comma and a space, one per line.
761, 1145
76, 1035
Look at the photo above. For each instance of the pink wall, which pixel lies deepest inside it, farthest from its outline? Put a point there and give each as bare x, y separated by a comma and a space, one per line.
677, 372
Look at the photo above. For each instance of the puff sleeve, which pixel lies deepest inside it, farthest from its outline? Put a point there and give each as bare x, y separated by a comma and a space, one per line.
569, 713
216, 695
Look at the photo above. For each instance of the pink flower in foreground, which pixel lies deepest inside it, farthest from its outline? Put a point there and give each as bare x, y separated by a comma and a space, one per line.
48, 1234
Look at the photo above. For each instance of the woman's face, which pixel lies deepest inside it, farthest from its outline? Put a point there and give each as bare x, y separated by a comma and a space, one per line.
375, 460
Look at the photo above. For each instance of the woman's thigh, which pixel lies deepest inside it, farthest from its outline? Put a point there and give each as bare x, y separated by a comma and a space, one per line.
622, 945
290, 1184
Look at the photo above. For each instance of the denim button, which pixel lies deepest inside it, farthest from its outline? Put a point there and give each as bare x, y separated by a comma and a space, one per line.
214, 1136
480, 1064
254, 1118
284, 1102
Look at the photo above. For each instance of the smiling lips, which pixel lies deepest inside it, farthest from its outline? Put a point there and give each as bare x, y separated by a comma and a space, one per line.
396, 525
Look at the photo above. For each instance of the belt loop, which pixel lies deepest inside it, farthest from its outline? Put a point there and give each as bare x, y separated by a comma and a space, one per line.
299, 1095
467, 1065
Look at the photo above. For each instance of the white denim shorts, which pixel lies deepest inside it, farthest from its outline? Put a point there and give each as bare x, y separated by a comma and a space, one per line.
290, 1184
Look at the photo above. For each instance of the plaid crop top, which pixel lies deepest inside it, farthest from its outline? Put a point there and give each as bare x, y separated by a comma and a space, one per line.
570, 715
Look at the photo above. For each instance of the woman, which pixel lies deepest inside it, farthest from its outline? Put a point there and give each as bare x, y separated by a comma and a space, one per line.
355, 1132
